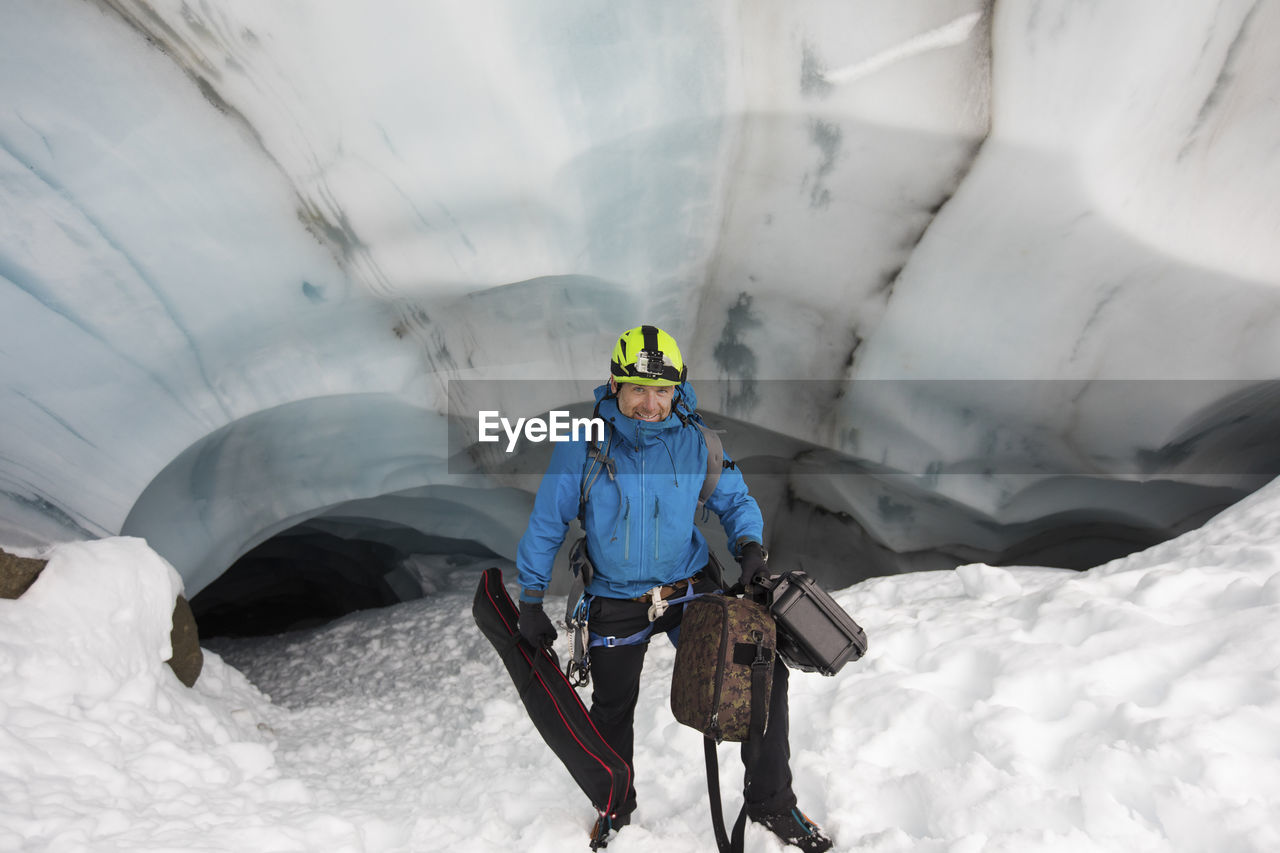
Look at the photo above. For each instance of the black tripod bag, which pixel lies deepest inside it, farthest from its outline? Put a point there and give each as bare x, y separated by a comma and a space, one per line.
551, 702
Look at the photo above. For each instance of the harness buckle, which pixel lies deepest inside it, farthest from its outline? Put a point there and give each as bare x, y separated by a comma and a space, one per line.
659, 605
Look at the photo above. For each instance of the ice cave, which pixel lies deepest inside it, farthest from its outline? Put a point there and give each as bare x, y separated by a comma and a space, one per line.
961, 280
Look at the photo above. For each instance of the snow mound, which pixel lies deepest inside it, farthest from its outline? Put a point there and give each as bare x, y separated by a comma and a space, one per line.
1135, 706
104, 749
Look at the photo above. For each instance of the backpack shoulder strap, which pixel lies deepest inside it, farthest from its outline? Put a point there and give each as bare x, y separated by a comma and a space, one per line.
715, 462
599, 460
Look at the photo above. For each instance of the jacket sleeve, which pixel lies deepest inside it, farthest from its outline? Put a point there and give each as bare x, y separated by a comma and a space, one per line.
738, 512
555, 505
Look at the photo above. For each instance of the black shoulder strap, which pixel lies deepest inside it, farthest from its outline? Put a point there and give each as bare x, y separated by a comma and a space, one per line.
759, 714
723, 844
599, 459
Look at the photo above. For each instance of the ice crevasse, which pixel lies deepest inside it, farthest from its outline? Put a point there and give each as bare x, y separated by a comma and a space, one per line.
961, 281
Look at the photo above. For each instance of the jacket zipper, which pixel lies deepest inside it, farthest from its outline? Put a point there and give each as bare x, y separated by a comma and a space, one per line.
640, 433
656, 528
714, 728
626, 533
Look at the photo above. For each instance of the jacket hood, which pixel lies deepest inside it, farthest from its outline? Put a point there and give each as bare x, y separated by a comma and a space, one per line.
629, 428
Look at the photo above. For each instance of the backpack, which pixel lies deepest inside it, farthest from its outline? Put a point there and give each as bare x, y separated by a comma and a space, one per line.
724, 667
721, 686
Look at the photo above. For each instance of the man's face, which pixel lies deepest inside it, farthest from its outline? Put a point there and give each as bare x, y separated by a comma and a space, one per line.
644, 402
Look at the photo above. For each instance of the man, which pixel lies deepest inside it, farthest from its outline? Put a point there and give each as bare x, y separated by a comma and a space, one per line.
638, 517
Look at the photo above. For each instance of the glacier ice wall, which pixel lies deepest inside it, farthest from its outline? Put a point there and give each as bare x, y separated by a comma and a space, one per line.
964, 280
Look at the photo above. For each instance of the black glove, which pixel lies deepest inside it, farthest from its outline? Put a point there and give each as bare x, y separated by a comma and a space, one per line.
752, 558
534, 626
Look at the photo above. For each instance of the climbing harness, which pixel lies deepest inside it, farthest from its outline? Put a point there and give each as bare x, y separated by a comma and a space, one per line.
642, 636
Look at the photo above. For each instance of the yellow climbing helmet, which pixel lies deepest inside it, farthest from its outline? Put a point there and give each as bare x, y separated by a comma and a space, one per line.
646, 355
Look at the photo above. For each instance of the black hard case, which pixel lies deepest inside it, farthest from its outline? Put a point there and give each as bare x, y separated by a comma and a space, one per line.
815, 634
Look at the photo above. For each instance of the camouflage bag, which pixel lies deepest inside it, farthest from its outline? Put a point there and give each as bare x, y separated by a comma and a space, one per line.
724, 668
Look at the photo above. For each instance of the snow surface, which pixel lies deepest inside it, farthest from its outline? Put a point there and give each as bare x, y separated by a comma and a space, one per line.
1132, 707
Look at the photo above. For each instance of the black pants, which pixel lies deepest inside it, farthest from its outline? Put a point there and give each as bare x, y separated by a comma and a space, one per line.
615, 673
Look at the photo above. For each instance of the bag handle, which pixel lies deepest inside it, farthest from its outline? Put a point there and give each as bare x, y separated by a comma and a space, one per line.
759, 712
723, 842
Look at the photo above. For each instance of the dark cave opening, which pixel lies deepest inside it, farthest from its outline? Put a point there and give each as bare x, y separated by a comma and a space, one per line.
839, 517
330, 566
318, 571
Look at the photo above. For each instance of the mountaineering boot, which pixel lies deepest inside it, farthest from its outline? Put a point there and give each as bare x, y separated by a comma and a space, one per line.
606, 828
795, 829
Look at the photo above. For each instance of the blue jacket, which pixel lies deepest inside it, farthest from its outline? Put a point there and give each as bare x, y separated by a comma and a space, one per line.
638, 522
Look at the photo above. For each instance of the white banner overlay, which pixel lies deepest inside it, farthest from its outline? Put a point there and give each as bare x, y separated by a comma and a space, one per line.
557, 426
